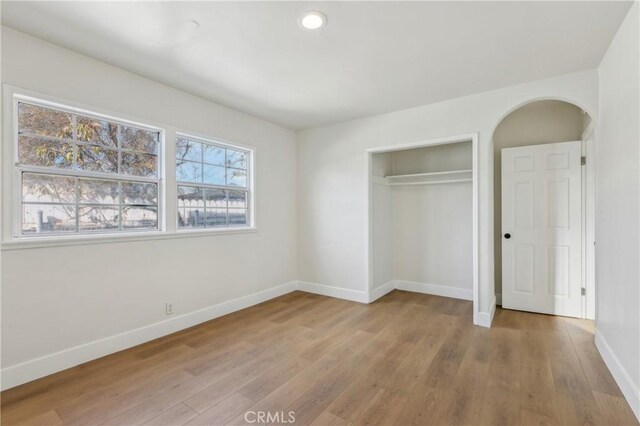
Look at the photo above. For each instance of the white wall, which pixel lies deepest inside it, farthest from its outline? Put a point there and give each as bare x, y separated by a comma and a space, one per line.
382, 235
533, 124
431, 159
332, 251
618, 210
381, 220
433, 234
105, 289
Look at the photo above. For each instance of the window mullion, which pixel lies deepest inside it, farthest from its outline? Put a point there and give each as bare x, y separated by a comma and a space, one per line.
120, 210
119, 148
74, 142
76, 183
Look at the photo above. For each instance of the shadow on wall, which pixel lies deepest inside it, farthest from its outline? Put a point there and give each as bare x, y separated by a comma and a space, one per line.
536, 123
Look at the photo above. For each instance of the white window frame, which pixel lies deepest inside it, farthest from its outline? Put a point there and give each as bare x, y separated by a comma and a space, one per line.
11, 190
250, 188
19, 169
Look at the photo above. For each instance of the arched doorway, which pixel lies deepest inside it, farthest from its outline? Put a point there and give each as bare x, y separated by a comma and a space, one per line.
541, 122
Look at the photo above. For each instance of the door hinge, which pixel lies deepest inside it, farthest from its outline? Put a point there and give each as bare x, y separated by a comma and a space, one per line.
583, 291
583, 160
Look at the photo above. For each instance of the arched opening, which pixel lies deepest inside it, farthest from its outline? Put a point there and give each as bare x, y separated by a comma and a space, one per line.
538, 122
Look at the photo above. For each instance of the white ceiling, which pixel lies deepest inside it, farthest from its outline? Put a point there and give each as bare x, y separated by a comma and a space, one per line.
371, 58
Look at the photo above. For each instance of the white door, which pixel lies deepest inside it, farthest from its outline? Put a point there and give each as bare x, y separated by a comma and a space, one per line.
542, 228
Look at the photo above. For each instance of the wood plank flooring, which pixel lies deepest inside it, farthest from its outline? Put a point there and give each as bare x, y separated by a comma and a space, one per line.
406, 359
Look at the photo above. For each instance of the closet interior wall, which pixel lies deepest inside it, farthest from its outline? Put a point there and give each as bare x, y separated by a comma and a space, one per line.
421, 229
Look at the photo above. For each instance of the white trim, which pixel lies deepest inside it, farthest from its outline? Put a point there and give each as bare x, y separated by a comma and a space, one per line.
33, 369
331, 291
435, 289
473, 138
112, 238
589, 209
619, 373
419, 144
485, 319
381, 290
379, 180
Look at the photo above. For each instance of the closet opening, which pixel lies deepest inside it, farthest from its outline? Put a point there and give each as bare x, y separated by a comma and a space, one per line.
422, 219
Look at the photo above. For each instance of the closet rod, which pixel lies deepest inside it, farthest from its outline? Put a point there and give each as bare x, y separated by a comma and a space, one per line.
448, 172
436, 182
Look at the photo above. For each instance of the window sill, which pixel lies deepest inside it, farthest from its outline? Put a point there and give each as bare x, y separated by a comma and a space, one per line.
76, 240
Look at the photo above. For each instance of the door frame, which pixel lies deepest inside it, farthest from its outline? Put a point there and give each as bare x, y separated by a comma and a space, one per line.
589, 140
478, 318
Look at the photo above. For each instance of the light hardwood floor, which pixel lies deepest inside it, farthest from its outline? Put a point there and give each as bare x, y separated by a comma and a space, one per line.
405, 359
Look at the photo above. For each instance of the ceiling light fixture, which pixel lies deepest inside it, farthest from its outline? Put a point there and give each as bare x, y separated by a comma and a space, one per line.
313, 20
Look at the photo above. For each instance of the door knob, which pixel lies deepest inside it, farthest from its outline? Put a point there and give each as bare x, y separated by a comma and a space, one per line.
507, 235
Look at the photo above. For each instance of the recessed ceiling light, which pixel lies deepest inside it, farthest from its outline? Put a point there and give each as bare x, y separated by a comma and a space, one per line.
313, 20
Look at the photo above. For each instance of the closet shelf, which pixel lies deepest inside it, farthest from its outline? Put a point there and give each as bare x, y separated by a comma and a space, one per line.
452, 176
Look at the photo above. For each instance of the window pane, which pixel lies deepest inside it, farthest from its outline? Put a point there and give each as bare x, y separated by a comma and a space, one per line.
44, 121
94, 191
214, 175
98, 218
96, 131
48, 189
237, 217
237, 178
216, 197
237, 199
139, 164
139, 193
189, 172
191, 218
48, 218
237, 159
140, 217
188, 150
216, 217
139, 140
214, 155
96, 158
80, 202
40, 152
190, 196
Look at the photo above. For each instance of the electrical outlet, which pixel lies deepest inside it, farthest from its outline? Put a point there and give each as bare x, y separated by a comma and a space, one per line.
169, 308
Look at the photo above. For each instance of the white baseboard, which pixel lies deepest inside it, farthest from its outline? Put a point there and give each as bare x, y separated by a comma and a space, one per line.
40, 367
36, 368
380, 291
486, 318
434, 289
338, 292
619, 373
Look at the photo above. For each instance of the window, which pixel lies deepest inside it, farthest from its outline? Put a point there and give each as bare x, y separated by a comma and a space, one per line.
81, 173
213, 184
